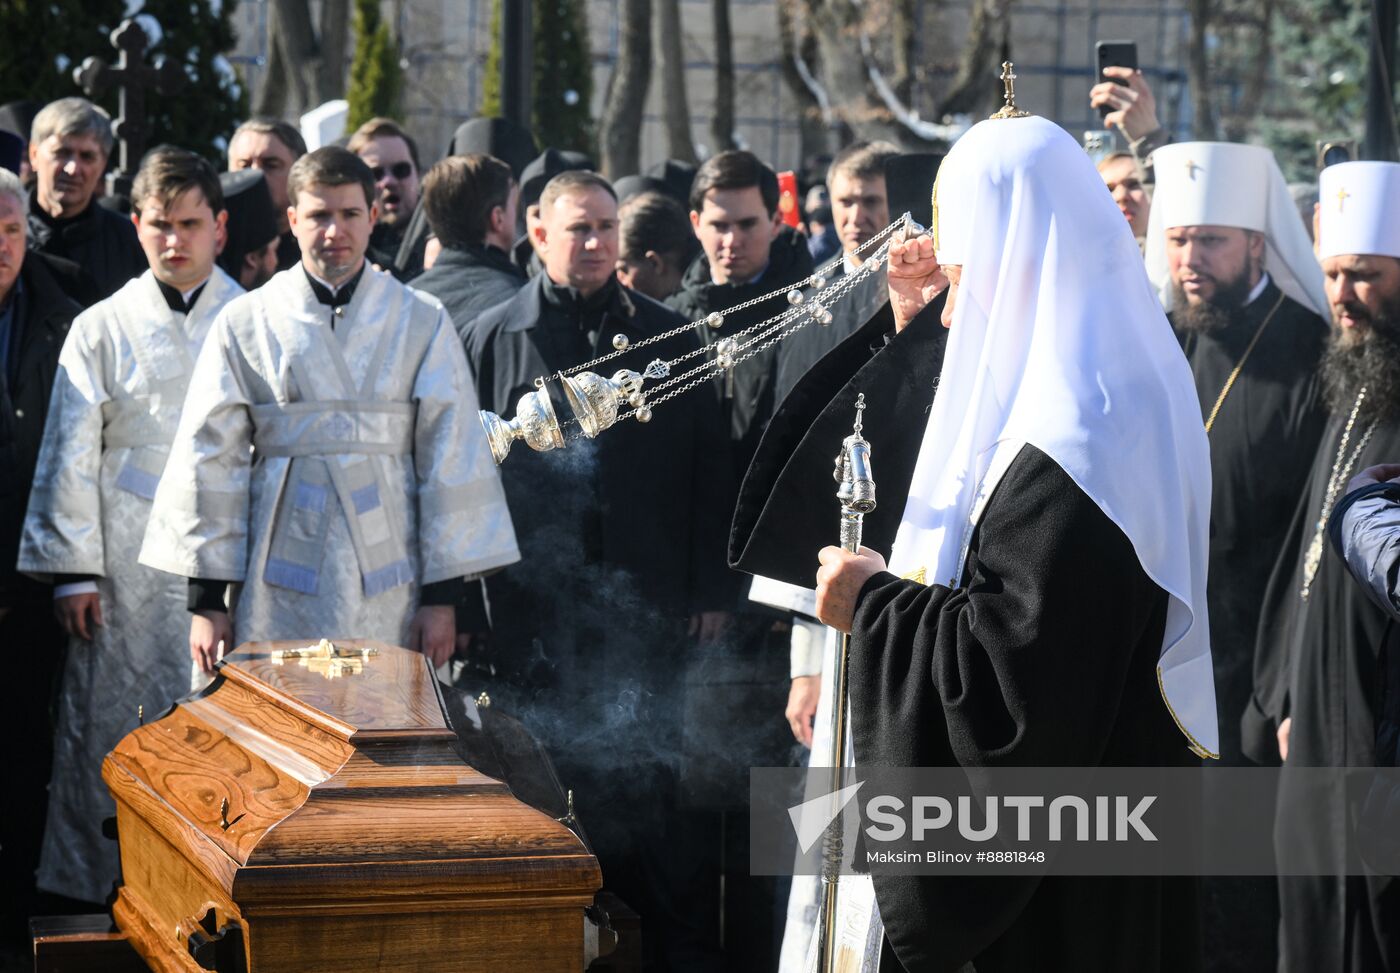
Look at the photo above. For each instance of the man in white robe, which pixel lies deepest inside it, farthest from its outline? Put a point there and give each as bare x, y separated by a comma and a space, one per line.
330, 461
116, 401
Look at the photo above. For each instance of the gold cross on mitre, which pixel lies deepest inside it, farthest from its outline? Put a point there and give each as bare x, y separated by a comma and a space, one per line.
1342, 196
327, 659
1009, 110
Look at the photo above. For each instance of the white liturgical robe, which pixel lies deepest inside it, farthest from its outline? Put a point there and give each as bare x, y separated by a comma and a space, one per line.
330, 461
116, 402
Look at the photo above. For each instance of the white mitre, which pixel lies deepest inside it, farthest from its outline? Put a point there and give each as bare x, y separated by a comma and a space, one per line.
1359, 210
1241, 186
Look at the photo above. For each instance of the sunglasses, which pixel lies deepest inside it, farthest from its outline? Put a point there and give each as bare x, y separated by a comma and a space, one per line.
399, 170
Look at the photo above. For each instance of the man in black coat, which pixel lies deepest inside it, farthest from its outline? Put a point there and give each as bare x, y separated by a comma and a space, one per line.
34, 319
622, 540
748, 252
68, 151
470, 203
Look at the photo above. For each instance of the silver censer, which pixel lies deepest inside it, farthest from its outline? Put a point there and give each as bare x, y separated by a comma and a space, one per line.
596, 402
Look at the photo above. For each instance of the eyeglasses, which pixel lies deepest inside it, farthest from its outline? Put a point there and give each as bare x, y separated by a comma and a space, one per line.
399, 170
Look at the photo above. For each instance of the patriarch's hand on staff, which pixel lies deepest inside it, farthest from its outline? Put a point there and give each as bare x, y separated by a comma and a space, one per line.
915, 278
1133, 107
434, 632
802, 707
211, 635
1374, 474
839, 581
79, 615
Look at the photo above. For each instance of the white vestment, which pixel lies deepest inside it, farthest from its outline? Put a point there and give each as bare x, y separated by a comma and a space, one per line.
329, 463
116, 402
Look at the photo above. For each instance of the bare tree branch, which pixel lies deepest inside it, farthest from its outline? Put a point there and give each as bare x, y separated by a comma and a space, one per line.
677, 104
620, 133
722, 124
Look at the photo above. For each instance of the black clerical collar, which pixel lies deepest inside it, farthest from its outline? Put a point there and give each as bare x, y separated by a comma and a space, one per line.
175, 300
333, 296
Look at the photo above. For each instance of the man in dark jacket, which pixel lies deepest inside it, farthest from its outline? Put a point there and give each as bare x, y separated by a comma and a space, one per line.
470, 203
622, 539
68, 151
748, 252
34, 319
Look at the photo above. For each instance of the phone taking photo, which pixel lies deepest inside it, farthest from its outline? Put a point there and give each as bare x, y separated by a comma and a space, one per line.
1115, 54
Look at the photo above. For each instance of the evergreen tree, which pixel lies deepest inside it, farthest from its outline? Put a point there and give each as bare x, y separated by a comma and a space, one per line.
204, 114
563, 79
562, 85
491, 82
46, 39
49, 38
376, 78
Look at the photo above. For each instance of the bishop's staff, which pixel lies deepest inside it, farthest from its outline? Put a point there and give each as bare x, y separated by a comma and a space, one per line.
857, 496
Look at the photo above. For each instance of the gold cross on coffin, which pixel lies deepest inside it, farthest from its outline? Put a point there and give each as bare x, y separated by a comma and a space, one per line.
325, 658
1342, 196
1009, 110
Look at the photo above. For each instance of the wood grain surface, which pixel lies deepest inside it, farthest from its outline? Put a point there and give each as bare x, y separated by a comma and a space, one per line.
355, 837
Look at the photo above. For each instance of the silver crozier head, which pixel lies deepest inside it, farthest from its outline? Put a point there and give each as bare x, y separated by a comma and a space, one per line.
596, 400
534, 422
857, 485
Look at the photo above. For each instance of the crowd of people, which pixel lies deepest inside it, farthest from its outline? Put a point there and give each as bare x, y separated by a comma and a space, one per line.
243, 405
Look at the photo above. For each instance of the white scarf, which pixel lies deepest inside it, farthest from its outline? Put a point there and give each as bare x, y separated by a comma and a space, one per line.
1058, 341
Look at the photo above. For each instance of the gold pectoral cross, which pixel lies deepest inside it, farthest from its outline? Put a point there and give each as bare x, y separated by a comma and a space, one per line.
325, 658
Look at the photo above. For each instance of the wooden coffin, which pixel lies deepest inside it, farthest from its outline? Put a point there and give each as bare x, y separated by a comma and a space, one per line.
353, 836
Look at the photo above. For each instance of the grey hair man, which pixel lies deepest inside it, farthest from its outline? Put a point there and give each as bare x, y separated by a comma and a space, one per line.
69, 147
68, 150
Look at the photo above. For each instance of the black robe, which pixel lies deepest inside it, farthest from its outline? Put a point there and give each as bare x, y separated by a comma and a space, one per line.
926, 692
797, 354
1318, 662
1271, 420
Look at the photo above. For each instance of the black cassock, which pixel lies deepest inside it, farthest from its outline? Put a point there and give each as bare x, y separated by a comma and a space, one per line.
1318, 662
1261, 448
797, 354
1271, 420
1046, 656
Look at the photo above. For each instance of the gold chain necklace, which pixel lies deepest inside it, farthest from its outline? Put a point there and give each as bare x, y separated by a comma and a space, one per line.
1229, 382
1313, 559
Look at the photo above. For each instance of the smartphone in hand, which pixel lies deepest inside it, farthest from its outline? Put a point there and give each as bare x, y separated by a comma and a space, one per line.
1115, 54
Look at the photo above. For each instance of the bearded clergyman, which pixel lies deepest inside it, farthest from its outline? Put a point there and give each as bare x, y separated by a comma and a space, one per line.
1318, 660
1234, 267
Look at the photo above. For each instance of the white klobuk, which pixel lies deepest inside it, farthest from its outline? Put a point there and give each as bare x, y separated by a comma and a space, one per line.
1359, 210
1232, 185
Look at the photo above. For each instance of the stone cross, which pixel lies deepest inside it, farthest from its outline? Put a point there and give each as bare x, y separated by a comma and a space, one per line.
132, 77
